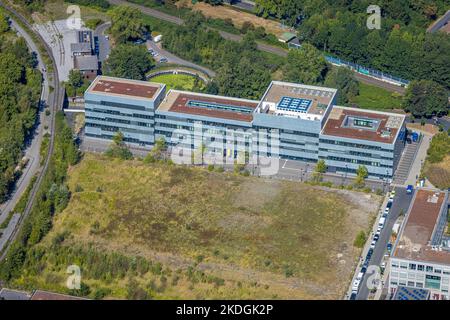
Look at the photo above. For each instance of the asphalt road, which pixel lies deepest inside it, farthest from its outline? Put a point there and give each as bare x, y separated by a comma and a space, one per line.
177, 60
402, 201
103, 42
244, 5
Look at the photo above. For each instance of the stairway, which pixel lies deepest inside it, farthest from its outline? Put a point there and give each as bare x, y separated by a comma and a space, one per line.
406, 161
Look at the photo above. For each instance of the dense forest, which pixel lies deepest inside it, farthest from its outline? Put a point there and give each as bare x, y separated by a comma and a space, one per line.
242, 70
20, 85
401, 47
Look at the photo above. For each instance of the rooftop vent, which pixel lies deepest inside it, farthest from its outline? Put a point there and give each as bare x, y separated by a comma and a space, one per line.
434, 198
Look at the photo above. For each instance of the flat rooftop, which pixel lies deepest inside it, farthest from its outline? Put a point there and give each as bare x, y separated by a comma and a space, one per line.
124, 87
415, 239
209, 105
46, 295
364, 125
296, 100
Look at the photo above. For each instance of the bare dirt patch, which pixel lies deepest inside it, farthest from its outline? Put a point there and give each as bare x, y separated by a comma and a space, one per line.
238, 17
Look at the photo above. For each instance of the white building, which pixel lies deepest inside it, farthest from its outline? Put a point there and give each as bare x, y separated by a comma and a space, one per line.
419, 259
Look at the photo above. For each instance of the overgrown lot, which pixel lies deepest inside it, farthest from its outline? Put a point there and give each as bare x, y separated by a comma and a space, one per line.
161, 231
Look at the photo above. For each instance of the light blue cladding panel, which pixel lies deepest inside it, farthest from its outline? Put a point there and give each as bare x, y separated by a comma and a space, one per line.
298, 138
346, 155
134, 117
283, 122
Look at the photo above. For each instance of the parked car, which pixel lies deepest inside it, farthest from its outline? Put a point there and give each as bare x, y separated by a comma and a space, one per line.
163, 60
353, 296
360, 276
363, 270
381, 222
355, 286
372, 244
409, 189
386, 210
376, 237
389, 247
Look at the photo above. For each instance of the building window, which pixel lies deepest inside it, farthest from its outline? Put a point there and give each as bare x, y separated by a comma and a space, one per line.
432, 282
420, 267
437, 271
394, 283
429, 269
412, 266
419, 284
410, 283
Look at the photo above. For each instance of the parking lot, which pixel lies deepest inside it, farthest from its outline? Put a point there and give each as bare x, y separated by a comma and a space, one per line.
374, 253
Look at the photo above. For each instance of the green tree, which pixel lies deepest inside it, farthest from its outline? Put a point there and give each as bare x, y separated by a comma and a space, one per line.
319, 170
361, 174
360, 239
344, 80
306, 65
127, 24
426, 98
4, 24
129, 61
157, 152
75, 78
118, 148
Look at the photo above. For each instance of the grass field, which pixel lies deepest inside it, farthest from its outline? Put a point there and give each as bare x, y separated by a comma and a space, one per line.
176, 81
437, 163
57, 10
206, 234
371, 97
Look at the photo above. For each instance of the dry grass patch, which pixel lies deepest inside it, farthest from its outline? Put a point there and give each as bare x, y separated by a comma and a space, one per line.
264, 238
238, 17
438, 173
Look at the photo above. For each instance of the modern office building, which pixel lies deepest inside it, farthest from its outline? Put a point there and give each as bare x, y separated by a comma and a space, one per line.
303, 121
297, 113
353, 137
220, 123
113, 105
421, 254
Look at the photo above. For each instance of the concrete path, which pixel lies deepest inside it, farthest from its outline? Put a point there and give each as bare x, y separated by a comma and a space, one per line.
414, 173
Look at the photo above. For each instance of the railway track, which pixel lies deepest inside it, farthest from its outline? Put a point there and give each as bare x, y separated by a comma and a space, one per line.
56, 100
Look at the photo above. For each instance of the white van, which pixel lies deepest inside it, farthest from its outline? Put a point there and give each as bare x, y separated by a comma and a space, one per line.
355, 286
381, 222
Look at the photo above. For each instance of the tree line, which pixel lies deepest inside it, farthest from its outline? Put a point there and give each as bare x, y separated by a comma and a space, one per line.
20, 85
401, 47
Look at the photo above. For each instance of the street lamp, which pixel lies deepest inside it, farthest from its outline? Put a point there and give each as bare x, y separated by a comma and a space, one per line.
345, 174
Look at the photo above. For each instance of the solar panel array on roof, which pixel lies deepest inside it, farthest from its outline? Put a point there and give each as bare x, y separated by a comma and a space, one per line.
219, 106
294, 104
404, 293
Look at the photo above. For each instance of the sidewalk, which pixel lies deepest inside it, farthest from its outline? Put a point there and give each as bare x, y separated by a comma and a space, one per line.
419, 160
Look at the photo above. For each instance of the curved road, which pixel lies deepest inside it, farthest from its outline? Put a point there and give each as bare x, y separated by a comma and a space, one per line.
177, 60
261, 46
55, 102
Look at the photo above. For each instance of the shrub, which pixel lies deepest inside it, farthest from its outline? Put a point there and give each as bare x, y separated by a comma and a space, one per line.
360, 239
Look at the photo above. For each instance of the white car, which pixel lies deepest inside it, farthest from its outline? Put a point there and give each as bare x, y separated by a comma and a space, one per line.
360, 276
386, 210
372, 244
